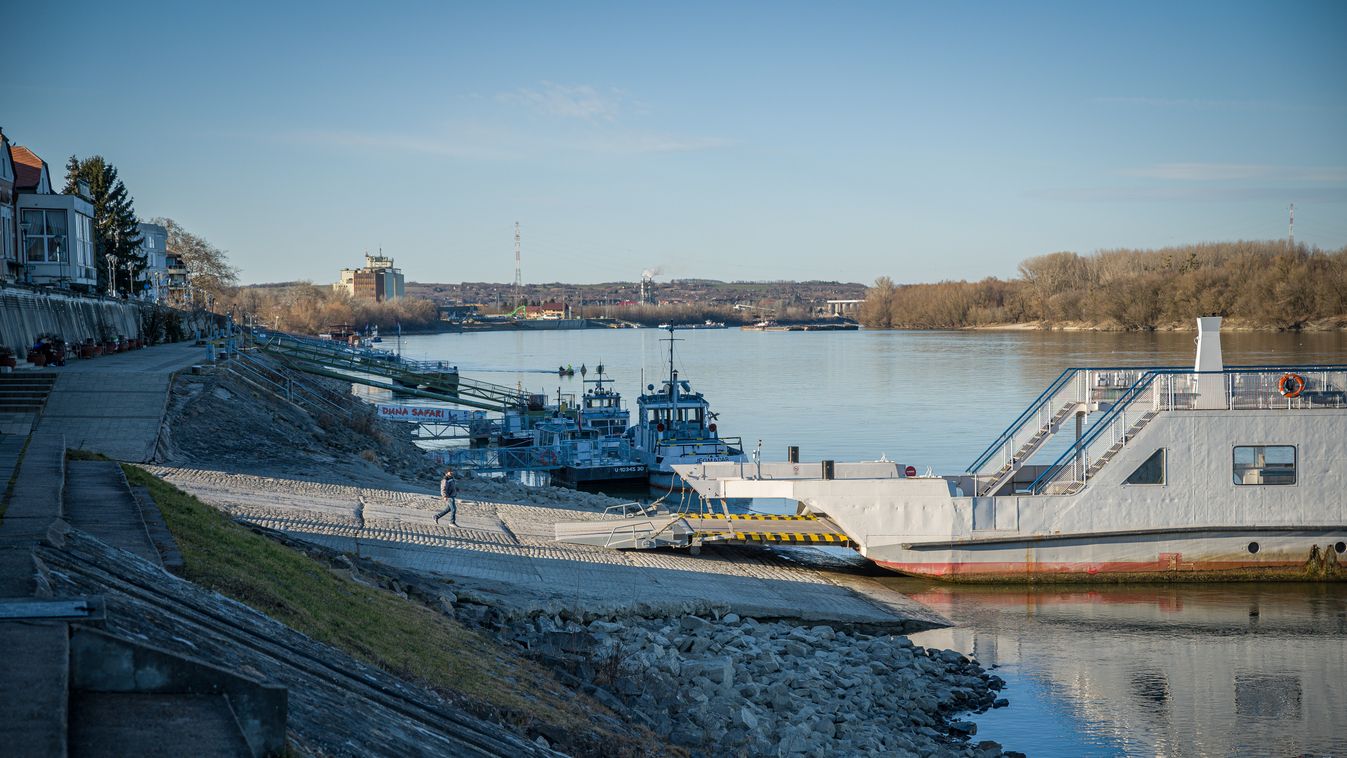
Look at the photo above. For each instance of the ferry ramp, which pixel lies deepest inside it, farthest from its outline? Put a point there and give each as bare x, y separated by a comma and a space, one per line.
642, 531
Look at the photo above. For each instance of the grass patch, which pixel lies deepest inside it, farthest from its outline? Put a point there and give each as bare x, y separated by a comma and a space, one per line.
400, 636
85, 455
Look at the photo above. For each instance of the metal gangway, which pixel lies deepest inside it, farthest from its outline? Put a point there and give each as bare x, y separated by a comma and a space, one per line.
433, 380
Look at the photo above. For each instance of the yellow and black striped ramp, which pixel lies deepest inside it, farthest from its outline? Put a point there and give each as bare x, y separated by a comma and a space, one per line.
748, 517
780, 538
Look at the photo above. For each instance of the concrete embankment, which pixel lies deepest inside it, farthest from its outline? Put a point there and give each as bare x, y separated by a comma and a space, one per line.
26, 314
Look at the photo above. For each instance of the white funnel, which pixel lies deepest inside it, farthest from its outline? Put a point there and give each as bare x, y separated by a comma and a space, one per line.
1210, 387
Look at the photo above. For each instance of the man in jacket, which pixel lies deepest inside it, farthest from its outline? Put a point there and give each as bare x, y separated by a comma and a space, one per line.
448, 493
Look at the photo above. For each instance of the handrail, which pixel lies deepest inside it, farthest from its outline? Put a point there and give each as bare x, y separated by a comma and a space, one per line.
1009, 431
1123, 403
1097, 428
1056, 385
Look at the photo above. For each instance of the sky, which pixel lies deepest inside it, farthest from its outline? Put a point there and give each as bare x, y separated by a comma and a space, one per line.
735, 141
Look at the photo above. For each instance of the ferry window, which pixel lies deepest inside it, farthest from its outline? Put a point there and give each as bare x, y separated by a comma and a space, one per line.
1152, 471
1265, 464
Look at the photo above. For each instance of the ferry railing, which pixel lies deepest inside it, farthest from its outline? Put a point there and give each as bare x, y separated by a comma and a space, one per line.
1112, 428
1093, 388
1158, 390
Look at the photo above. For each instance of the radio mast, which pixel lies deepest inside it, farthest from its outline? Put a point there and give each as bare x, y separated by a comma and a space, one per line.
1291, 230
518, 280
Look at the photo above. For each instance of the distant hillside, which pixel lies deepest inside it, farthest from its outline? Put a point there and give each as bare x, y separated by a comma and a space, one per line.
1260, 285
705, 292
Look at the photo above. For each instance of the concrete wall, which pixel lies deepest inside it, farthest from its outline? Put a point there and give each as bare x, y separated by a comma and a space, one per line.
25, 314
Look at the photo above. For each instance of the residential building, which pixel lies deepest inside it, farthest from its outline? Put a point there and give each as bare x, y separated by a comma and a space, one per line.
55, 231
379, 280
177, 290
154, 246
10, 267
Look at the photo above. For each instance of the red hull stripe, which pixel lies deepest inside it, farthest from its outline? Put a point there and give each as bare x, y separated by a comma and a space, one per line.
1021, 568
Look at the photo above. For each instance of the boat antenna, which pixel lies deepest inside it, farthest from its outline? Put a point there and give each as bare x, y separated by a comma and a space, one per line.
671, 339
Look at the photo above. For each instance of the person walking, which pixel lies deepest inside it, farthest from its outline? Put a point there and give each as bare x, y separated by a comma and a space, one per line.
448, 493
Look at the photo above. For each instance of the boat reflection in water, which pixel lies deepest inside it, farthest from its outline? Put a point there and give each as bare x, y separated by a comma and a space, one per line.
1233, 669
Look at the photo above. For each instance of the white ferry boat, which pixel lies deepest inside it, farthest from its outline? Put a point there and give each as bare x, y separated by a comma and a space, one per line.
675, 426
1209, 472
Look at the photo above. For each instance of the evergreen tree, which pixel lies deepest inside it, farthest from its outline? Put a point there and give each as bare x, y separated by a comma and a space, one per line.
115, 230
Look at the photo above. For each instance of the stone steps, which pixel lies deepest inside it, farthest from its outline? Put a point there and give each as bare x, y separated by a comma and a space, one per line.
25, 391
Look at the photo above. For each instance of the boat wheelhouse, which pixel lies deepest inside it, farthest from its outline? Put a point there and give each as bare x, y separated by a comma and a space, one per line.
589, 441
1209, 472
676, 426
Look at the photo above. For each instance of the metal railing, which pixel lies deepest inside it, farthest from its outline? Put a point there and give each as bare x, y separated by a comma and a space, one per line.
441, 377
1170, 389
1093, 387
573, 453
286, 386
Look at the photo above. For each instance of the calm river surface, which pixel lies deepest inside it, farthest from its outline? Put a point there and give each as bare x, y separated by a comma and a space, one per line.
1215, 670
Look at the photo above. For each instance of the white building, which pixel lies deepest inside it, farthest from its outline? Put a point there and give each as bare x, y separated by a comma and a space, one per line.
154, 246
55, 231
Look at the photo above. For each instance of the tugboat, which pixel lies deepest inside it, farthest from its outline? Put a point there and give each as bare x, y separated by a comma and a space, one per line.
591, 447
675, 426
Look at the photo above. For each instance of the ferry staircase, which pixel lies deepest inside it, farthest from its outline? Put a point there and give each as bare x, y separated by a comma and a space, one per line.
1001, 476
1073, 486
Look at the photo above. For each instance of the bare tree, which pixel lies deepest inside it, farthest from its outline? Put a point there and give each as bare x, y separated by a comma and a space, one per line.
208, 264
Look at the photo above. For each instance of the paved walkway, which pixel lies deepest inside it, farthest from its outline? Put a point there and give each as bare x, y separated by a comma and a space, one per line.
506, 552
115, 404
99, 501
34, 505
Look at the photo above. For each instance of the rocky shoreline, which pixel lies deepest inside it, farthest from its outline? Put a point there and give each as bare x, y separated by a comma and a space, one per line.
714, 683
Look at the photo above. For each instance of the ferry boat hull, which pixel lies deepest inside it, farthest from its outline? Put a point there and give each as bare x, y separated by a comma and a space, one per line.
1208, 555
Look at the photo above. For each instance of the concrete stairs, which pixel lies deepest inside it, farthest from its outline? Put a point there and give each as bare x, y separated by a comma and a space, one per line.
25, 391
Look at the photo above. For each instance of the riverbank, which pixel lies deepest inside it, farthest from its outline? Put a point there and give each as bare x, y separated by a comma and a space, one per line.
749, 651
1334, 324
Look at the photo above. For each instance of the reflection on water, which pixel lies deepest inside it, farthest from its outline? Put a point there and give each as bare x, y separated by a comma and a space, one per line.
1250, 669
1155, 670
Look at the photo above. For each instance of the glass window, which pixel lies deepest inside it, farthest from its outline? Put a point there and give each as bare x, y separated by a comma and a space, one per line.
1152, 471
44, 233
1265, 464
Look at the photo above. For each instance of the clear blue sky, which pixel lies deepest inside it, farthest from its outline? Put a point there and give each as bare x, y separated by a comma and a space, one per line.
734, 141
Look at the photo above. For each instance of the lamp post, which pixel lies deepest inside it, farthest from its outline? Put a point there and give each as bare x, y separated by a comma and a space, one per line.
112, 274
130, 267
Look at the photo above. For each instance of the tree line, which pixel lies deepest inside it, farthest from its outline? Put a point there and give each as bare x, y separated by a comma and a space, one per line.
1257, 284
308, 308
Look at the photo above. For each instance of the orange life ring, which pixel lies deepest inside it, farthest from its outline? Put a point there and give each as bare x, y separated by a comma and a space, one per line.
1291, 385
547, 457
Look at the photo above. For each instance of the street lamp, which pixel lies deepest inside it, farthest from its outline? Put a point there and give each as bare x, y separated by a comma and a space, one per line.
112, 274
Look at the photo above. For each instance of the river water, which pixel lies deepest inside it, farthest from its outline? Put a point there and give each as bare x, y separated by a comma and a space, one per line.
1240, 669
